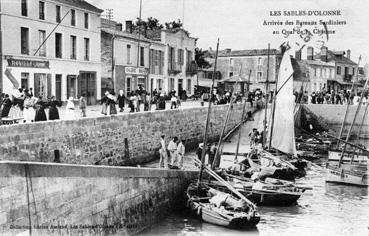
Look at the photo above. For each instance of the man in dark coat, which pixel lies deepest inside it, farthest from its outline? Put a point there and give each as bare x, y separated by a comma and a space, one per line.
6, 104
121, 99
53, 110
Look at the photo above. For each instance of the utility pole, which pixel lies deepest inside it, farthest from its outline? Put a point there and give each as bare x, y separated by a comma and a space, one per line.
109, 17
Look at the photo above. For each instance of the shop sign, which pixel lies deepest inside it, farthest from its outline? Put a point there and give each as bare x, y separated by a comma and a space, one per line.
27, 63
135, 70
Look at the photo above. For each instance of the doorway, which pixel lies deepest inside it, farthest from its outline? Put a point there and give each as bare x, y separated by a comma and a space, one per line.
58, 86
42, 85
87, 86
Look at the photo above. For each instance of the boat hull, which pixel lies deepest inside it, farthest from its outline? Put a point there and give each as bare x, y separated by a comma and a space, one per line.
262, 198
335, 155
344, 176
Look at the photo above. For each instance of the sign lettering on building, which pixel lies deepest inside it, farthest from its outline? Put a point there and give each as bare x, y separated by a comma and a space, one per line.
28, 63
136, 71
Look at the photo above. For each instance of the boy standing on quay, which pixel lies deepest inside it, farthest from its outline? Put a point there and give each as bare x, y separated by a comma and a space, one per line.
82, 105
163, 163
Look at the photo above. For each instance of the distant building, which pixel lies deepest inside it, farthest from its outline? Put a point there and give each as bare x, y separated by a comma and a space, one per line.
327, 70
250, 66
64, 63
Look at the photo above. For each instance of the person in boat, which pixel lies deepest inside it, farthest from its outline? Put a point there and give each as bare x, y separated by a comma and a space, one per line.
163, 163
253, 136
172, 148
53, 110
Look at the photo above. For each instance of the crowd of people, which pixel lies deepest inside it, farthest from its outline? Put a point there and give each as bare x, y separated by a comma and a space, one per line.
330, 97
24, 107
171, 156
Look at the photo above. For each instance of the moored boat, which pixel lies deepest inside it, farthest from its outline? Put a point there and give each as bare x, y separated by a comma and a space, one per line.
350, 176
220, 208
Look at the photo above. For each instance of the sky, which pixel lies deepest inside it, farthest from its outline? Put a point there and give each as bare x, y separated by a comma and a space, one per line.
239, 23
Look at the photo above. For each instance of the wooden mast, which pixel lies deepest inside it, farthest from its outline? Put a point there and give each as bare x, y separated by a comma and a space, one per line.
266, 100
353, 122
348, 104
239, 130
223, 129
359, 132
208, 119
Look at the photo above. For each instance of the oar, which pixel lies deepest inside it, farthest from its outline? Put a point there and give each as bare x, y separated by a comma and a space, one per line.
225, 183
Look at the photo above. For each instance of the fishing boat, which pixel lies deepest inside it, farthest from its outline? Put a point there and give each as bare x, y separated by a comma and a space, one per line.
219, 208
270, 192
349, 173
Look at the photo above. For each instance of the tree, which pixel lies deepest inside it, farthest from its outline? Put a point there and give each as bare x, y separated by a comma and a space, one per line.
174, 24
151, 23
200, 59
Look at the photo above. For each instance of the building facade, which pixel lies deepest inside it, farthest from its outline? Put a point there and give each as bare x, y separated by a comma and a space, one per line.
52, 47
161, 60
328, 70
251, 66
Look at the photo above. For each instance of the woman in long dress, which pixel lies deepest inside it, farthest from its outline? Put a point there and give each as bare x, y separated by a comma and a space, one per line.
6, 105
29, 111
70, 113
53, 110
112, 101
104, 101
121, 99
40, 106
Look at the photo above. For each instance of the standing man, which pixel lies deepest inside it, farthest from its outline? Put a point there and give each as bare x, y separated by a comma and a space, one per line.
82, 105
180, 154
121, 99
172, 148
163, 163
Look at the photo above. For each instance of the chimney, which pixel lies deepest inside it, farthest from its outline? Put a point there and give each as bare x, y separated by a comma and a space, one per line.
119, 26
228, 50
129, 26
298, 55
310, 53
210, 49
348, 54
324, 54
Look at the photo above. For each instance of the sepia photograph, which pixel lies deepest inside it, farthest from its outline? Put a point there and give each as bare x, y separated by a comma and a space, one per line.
184, 117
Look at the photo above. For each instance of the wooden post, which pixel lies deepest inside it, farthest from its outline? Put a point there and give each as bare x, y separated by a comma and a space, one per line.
266, 100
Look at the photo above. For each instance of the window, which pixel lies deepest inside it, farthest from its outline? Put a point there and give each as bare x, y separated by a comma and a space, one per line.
259, 75
259, 61
24, 41
58, 45
142, 56
171, 85
230, 74
189, 86
87, 49
128, 85
128, 54
73, 47
231, 61
141, 81
41, 39
73, 17
24, 80
171, 58
189, 59
41, 10
86, 20
58, 18
24, 8
338, 70
161, 62
353, 71
180, 57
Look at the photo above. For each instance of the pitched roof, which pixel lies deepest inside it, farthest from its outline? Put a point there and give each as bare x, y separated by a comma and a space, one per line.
336, 56
81, 4
250, 52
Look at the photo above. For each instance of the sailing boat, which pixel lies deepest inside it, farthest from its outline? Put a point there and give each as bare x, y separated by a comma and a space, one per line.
281, 153
349, 174
216, 207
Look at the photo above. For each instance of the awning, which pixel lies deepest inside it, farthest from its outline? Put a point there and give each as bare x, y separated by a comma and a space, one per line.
12, 78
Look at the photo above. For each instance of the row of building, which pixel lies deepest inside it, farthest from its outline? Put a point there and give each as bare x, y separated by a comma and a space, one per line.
64, 48
327, 70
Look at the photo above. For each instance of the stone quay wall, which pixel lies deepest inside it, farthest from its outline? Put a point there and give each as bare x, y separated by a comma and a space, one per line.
64, 199
128, 139
331, 116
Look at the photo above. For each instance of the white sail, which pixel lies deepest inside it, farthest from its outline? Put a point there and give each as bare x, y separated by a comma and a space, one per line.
283, 135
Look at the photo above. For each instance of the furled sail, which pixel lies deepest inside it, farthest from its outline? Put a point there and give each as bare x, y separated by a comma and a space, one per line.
283, 135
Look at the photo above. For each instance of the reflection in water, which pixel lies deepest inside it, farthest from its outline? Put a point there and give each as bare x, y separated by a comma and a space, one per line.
328, 209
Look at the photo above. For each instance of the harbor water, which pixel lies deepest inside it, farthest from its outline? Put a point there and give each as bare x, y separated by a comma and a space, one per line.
327, 209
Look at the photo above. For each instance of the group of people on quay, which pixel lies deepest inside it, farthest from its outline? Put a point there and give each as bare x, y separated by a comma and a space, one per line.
171, 156
24, 107
330, 97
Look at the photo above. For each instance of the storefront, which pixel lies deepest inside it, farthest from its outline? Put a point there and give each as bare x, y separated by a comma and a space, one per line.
129, 78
